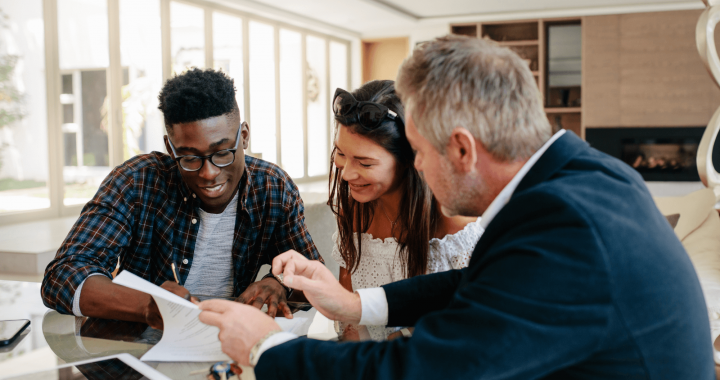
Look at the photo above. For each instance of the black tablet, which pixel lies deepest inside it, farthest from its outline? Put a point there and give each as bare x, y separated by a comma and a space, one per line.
116, 367
10, 330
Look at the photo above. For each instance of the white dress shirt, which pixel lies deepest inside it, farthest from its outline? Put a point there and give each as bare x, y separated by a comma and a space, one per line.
374, 301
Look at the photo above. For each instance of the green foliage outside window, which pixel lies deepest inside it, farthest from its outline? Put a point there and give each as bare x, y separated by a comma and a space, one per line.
11, 99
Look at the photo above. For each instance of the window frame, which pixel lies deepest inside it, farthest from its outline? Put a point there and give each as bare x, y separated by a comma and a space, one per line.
53, 84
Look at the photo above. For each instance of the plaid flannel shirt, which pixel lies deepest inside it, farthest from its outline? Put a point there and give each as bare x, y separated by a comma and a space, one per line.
145, 215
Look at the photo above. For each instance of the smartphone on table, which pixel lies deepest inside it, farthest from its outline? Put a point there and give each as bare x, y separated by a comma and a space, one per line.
11, 330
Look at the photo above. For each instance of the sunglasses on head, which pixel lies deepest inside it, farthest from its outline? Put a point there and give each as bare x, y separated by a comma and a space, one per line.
368, 114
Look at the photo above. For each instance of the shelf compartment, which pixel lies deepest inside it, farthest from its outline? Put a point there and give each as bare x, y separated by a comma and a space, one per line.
519, 31
469, 30
563, 97
569, 121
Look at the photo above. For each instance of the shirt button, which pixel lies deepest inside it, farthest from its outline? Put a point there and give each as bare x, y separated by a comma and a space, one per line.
194, 196
185, 261
194, 221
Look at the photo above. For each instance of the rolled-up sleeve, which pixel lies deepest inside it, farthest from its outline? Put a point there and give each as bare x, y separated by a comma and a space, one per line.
94, 243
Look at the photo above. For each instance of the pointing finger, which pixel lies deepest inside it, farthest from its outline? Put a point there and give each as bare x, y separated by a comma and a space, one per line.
279, 262
300, 282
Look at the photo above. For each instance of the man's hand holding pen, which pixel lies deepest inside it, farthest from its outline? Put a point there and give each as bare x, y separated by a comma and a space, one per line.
152, 313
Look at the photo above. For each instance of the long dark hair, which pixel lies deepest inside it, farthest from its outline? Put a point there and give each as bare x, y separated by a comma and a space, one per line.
419, 216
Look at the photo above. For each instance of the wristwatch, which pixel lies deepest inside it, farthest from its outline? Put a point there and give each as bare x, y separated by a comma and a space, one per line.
288, 291
253, 357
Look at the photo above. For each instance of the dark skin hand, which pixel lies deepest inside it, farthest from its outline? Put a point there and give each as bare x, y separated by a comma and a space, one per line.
153, 316
101, 298
267, 291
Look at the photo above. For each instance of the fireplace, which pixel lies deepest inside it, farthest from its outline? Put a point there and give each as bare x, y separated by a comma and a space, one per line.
658, 154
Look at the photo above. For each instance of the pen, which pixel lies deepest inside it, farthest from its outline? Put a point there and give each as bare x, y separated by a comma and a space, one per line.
172, 265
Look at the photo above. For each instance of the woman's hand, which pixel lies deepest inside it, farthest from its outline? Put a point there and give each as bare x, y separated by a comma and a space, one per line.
319, 286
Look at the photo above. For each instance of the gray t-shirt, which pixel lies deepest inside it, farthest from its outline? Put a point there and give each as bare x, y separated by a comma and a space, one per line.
211, 272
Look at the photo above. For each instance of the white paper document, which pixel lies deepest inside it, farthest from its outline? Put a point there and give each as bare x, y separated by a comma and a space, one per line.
185, 338
299, 324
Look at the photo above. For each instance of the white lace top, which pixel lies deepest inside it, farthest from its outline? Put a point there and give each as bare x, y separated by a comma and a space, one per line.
380, 263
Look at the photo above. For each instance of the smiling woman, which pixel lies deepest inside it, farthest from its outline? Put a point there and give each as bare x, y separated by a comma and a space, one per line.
374, 176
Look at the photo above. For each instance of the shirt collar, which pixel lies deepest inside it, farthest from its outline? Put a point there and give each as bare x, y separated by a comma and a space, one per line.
502, 199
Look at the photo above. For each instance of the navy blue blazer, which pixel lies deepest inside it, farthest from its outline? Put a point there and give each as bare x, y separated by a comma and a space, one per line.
578, 276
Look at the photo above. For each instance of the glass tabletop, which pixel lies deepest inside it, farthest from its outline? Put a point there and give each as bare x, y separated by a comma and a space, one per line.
54, 339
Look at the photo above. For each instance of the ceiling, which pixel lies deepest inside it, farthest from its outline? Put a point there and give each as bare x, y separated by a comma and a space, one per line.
368, 17
426, 9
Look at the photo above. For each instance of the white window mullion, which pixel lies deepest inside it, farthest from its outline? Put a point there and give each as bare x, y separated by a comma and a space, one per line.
114, 85
246, 76
330, 93
304, 63
349, 66
165, 33
209, 60
278, 155
78, 122
54, 114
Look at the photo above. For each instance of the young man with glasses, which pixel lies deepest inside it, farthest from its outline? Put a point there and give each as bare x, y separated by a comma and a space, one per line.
199, 221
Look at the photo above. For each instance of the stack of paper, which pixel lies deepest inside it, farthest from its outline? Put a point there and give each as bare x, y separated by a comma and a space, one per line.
185, 338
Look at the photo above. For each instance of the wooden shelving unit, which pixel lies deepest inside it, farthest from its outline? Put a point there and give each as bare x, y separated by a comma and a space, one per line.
528, 38
563, 109
519, 43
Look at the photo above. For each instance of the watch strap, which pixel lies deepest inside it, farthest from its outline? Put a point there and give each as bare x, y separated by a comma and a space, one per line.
253, 357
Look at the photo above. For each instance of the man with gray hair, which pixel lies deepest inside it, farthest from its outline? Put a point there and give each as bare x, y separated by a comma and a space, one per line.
577, 275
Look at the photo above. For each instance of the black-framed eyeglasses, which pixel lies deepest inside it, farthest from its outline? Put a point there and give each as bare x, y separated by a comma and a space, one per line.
368, 114
221, 158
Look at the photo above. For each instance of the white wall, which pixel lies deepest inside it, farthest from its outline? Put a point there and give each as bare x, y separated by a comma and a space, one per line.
415, 35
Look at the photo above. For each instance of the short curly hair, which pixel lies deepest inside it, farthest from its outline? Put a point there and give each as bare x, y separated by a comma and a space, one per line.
197, 95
